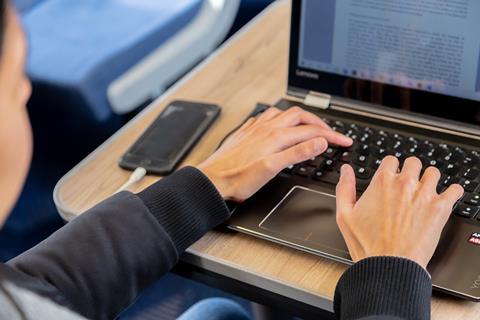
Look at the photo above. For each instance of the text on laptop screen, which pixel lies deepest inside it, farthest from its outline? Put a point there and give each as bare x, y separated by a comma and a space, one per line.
420, 56
428, 45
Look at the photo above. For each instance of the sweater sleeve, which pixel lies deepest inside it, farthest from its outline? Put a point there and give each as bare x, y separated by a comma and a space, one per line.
384, 288
103, 259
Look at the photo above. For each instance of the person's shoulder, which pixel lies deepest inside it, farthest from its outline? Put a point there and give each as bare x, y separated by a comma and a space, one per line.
20, 303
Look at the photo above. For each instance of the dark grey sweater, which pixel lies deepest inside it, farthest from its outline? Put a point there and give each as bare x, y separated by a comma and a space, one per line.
97, 265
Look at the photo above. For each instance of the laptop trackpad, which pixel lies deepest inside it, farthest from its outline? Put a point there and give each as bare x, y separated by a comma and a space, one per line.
309, 216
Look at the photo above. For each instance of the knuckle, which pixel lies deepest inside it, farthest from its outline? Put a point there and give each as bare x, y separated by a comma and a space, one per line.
407, 182
268, 165
307, 149
259, 130
439, 206
273, 109
296, 109
340, 218
276, 134
383, 175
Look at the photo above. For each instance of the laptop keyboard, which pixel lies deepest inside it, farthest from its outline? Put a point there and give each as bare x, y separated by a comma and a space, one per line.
457, 164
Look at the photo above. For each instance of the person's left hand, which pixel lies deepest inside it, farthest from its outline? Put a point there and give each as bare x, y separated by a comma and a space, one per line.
264, 146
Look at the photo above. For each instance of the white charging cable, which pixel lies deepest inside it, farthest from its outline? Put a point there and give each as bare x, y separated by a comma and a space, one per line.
135, 177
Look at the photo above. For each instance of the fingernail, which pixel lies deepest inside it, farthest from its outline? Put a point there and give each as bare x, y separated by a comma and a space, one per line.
319, 144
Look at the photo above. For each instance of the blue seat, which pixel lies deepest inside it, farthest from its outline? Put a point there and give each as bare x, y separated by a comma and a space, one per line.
26, 5
114, 35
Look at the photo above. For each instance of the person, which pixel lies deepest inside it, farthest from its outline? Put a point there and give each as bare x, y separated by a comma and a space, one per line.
95, 266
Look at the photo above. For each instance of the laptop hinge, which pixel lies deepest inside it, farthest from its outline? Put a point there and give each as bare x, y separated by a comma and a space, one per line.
318, 100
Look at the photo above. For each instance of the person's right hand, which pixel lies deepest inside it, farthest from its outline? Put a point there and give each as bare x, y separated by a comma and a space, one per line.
399, 214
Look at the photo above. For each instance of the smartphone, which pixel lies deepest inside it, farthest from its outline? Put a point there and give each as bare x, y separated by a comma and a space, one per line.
171, 136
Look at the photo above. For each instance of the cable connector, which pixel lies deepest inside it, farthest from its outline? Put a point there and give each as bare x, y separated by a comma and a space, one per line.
135, 177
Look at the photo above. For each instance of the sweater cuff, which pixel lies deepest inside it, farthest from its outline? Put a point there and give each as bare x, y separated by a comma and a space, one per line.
187, 205
384, 286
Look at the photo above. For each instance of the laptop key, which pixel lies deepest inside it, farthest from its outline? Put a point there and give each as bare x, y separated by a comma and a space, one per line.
363, 149
330, 177
449, 180
471, 174
364, 173
400, 156
330, 152
472, 199
398, 137
314, 162
380, 152
452, 169
289, 169
469, 185
458, 154
366, 138
346, 156
375, 164
328, 165
361, 160
318, 175
426, 162
383, 143
473, 159
304, 171
467, 211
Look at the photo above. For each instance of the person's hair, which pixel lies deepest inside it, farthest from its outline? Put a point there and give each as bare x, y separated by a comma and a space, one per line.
3, 21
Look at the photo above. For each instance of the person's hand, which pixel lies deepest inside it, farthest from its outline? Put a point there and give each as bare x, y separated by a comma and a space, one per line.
398, 215
263, 147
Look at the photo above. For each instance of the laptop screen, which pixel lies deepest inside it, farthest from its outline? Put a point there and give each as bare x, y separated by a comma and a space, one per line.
421, 56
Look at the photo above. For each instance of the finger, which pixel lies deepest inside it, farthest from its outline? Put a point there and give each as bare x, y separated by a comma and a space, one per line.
389, 164
295, 135
412, 168
452, 194
268, 114
346, 189
298, 153
430, 179
295, 116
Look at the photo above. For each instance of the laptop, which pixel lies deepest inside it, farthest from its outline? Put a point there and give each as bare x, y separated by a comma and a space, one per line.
399, 78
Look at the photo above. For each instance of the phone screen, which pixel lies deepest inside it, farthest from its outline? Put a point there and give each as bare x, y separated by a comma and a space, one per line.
170, 137
170, 133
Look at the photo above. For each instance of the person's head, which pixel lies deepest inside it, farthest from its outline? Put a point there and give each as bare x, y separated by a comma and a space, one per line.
15, 132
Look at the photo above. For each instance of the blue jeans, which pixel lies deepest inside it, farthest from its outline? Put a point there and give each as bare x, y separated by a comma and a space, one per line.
215, 309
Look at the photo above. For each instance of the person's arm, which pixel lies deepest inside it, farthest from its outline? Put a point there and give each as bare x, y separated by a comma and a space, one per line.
101, 261
391, 233
381, 287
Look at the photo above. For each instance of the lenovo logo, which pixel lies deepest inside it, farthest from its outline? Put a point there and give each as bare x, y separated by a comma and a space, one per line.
306, 74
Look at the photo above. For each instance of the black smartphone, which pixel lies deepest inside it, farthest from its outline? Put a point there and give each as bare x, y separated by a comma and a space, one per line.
171, 136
